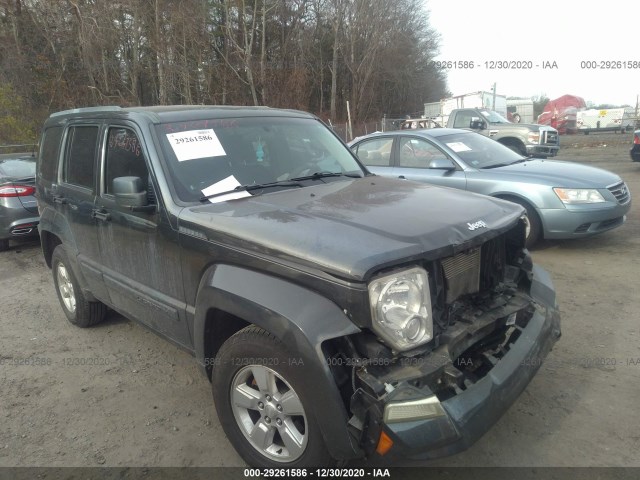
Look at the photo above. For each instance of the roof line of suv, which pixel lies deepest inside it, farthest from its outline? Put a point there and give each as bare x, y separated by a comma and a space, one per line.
173, 112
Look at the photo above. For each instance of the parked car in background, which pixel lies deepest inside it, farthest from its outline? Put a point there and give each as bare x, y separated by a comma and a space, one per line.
18, 207
562, 199
635, 150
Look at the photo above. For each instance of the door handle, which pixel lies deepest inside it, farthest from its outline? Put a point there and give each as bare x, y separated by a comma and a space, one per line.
101, 214
59, 199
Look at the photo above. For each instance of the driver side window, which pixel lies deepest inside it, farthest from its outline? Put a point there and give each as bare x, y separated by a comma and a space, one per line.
124, 158
463, 120
418, 153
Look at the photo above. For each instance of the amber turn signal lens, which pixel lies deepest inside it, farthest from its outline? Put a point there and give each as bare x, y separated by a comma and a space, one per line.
384, 444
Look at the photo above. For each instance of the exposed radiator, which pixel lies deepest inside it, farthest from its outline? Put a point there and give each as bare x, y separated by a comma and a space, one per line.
462, 274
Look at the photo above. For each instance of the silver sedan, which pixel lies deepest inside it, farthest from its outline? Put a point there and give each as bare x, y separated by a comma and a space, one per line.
18, 207
562, 199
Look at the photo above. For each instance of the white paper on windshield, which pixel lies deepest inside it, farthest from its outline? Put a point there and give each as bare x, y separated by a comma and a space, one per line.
225, 185
458, 147
195, 144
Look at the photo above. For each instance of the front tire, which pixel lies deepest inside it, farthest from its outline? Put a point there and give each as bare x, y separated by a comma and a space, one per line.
516, 147
534, 225
264, 404
77, 308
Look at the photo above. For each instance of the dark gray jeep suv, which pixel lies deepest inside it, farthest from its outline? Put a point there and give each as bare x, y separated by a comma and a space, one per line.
338, 314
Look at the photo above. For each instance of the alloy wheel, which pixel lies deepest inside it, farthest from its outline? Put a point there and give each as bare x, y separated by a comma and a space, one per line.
269, 413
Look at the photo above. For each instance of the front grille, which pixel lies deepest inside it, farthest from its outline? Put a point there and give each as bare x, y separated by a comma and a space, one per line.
621, 192
550, 137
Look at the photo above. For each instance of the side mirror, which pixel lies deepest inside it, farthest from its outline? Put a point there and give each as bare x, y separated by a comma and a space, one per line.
442, 164
129, 193
477, 124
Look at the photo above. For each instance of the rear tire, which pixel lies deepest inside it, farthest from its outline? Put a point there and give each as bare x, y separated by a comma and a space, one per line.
77, 308
264, 405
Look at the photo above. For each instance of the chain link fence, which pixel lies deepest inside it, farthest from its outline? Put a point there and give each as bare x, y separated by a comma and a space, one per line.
384, 125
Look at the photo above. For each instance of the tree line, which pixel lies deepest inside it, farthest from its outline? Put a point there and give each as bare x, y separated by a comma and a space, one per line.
313, 55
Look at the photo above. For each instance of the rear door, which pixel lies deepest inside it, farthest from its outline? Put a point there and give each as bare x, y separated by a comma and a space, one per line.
74, 197
139, 249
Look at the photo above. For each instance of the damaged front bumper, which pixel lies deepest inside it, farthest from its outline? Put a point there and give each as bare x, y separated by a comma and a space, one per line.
414, 418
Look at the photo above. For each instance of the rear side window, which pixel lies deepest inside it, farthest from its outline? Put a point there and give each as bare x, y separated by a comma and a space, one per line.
81, 156
48, 161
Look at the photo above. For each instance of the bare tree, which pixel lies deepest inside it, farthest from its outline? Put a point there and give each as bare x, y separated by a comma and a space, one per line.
307, 54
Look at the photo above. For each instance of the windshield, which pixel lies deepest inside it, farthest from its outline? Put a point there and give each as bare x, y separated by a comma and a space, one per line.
208, 157
478, 151
493, 117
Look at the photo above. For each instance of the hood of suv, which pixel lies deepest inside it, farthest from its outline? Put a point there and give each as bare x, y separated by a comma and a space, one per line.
350, 228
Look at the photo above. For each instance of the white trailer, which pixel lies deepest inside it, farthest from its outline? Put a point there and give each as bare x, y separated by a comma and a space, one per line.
476, 100
439, 111
433, 109
520, 110
603, 120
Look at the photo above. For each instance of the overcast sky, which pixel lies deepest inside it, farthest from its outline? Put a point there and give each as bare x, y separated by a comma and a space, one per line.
567, 32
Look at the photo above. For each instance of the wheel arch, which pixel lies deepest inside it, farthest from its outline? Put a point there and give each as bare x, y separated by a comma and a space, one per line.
511, 196
513, 141
49, 242
230, 298
514, 197
54, 230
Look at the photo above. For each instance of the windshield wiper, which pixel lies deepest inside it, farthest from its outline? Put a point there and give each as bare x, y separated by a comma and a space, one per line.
319, 175
250, 188
496, 165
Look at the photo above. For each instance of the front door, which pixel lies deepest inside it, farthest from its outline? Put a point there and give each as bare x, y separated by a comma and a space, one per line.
414, 155
140, 250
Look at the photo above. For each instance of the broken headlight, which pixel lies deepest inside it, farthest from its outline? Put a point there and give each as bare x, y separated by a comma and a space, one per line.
401, 308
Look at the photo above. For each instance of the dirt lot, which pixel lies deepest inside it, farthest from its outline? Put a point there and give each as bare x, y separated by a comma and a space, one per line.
117, 395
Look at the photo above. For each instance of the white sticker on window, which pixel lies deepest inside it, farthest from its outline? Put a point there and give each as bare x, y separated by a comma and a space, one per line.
195, 144
225, 185
458, 147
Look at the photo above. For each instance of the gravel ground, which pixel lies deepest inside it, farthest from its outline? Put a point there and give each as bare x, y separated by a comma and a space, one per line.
117, 395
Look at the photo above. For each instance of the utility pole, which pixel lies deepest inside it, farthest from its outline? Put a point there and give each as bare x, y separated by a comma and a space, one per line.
493, 89
350, 130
